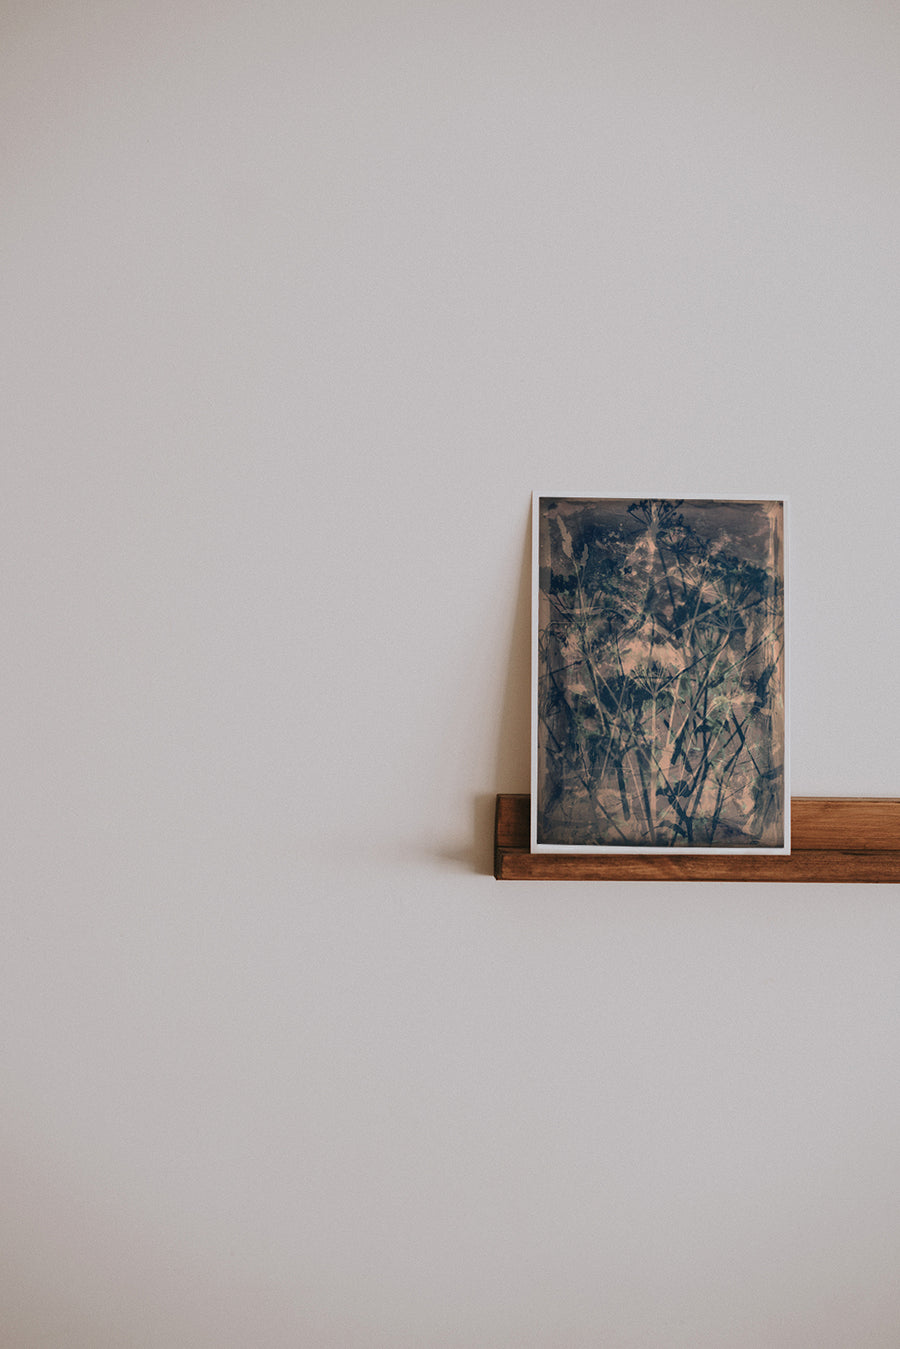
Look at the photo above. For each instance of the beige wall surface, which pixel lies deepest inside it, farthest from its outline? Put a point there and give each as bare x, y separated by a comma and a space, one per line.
300, 303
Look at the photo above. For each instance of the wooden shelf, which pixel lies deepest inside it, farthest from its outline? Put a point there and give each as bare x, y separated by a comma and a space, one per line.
832, 839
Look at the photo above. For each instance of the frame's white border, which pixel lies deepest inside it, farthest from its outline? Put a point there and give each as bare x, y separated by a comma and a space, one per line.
615, 849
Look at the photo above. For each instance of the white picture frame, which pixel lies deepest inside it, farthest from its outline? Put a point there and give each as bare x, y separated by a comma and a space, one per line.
659, 675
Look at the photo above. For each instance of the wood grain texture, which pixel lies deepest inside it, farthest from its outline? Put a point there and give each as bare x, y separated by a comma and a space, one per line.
849, 839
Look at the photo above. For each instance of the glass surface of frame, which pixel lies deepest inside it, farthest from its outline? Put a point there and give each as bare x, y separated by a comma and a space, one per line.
659, 677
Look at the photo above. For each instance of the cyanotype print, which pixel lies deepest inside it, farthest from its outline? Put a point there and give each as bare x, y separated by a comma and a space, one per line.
659, 713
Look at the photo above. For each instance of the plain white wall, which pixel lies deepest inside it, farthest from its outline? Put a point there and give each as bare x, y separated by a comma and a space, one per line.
301, 301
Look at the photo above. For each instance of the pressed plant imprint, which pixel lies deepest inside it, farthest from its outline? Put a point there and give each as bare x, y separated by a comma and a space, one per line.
659, 675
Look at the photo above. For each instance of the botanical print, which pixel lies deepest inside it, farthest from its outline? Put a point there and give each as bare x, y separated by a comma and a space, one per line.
660, 674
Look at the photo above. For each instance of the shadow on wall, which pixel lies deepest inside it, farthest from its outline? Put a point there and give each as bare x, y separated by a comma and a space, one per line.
514, 739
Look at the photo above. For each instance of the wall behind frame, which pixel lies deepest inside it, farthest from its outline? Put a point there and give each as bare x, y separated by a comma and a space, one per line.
301, 301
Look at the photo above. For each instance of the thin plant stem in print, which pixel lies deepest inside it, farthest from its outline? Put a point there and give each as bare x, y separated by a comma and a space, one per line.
660, 674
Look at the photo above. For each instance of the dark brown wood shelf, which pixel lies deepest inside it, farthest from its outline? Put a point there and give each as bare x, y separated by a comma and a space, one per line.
832, 839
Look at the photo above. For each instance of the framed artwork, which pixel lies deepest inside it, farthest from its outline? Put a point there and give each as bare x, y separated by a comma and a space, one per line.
659, 676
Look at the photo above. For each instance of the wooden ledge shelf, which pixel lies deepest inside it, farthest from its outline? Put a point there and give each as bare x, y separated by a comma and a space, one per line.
832, 839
